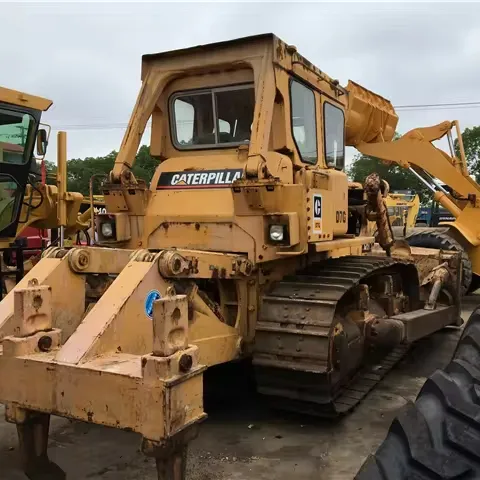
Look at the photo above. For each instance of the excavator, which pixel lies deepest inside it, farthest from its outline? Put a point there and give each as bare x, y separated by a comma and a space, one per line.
247, 244
26, 201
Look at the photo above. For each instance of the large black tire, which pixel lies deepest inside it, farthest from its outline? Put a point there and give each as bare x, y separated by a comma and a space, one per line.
441, 240
438, 436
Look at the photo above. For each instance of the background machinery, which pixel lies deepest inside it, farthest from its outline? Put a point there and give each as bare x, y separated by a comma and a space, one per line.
31, 211
241, 247
433, 215
403, 210
447, 177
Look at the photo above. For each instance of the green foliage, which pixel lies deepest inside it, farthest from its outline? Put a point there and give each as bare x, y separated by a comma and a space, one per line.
79, 171
397, 177
471, 144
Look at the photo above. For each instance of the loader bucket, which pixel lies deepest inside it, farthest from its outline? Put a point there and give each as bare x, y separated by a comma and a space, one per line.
370, 117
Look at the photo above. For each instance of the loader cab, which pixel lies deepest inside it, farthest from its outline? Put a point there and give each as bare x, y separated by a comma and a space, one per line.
20, 116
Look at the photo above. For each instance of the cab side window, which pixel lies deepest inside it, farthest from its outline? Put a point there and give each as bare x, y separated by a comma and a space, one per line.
304, 126
334, 120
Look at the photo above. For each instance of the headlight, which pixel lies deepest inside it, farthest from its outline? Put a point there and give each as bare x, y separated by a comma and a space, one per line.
107, 230
276, 233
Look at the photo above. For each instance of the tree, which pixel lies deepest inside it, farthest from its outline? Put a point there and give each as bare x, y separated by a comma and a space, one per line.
397, 177
471, 144
79, 171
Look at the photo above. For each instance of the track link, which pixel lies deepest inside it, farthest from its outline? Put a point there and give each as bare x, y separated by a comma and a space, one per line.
296, 334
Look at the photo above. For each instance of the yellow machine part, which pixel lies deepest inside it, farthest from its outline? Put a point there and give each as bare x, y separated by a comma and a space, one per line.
15, 97
369, 118
398, 204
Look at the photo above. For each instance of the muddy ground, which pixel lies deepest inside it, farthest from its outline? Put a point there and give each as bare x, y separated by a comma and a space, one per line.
244, 440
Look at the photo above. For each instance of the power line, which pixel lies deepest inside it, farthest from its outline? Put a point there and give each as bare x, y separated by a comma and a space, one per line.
407, 108
435, 105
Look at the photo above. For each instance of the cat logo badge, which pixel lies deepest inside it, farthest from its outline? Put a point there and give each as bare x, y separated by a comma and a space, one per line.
317, 213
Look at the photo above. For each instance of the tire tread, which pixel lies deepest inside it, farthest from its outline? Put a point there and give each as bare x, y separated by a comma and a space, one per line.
437, 436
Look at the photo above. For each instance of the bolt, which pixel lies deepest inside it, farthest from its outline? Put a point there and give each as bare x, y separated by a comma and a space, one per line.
45, 343
185, 363
83, 259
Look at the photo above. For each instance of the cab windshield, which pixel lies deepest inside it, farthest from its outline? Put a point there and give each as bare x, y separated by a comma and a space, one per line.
16, 131
17, 134
215, 117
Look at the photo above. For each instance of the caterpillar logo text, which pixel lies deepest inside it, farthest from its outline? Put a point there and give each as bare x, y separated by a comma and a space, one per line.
204, 179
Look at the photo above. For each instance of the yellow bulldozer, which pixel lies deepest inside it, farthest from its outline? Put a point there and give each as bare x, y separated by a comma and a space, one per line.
27, 202
247, 243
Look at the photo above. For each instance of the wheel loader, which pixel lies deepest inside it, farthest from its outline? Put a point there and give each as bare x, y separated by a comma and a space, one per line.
247, 244
26, 201
446, 176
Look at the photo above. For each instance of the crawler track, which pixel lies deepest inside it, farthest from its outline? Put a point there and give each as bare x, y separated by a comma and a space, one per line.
310, 359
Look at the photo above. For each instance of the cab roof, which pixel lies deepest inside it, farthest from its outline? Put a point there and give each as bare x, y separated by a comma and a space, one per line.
14, 97
209, 47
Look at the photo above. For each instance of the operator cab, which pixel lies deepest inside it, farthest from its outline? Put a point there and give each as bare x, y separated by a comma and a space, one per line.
212, 118
19, 121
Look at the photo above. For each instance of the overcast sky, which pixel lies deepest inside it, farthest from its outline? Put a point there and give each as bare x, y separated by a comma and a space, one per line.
86, 57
